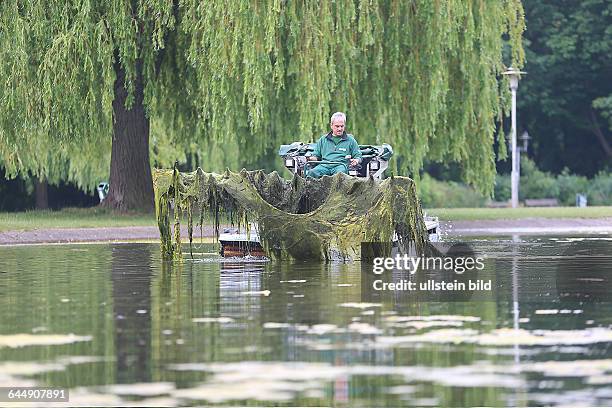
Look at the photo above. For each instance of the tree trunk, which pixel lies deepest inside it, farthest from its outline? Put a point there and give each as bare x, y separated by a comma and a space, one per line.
42, 196
599, 134
130, 183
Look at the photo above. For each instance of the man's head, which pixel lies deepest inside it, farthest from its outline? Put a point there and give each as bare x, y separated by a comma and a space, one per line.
337, 122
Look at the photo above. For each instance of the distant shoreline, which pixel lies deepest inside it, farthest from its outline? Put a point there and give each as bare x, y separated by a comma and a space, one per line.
526, 226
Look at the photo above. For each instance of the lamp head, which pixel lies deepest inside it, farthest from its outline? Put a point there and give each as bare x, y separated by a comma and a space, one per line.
525, 138
513, 75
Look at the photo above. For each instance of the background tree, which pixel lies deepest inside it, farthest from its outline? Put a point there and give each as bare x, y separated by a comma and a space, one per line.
241, 77
565, 102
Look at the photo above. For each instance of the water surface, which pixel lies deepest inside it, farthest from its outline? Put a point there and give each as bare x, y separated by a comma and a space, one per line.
116, 325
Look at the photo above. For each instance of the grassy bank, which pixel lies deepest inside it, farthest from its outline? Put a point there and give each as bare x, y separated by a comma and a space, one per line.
457, 214
72, 218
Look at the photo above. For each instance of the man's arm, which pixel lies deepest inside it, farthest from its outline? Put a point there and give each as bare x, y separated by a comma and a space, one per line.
316, 154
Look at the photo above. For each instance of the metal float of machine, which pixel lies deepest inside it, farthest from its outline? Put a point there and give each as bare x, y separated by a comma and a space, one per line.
235, 242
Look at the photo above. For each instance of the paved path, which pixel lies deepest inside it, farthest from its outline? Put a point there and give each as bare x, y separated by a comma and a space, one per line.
529, 226
68, 235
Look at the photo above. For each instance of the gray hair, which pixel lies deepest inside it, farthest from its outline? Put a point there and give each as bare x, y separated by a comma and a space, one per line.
336, 116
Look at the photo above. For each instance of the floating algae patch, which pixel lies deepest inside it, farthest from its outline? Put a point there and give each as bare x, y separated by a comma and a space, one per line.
453, 318
141, 389
29, 368
26, 368
321, 219
284, 381
503, 337
23, 340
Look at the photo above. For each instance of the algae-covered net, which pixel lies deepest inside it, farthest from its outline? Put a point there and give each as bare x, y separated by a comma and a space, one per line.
308, 219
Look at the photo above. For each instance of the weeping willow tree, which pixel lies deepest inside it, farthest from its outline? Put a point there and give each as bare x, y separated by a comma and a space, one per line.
89, 83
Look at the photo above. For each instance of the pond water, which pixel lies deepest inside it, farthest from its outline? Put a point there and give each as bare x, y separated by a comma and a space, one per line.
117, 326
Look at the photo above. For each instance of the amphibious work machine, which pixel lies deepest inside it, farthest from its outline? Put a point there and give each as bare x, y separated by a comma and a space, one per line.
375, 159
295, 156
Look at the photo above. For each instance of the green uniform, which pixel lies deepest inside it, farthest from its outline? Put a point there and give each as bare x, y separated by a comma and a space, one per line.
334, 148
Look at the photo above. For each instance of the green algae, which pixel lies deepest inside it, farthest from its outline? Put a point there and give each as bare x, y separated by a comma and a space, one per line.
305, 219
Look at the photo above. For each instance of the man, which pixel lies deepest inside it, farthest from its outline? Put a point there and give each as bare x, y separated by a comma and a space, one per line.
337, 146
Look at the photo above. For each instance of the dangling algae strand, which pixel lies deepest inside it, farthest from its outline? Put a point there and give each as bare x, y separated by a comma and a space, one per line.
303, 219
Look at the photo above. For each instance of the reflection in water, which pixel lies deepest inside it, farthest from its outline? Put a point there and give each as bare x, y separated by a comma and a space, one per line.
131, 277
236, 332
515, 300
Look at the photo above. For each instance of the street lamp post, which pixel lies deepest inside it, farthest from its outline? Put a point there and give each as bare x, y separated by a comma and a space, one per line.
522, 149
525, 138
514, 76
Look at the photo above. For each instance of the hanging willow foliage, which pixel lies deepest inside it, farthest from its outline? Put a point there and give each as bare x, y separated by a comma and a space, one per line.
248, 75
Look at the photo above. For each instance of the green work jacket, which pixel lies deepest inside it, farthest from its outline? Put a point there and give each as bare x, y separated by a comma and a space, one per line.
326, 149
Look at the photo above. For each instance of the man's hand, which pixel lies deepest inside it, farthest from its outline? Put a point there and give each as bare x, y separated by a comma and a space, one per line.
312, 158
354, 162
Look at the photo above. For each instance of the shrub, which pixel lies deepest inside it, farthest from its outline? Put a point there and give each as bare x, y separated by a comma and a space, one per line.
564, 187
447, 194
536, 183
502, 190
599, 190
569, 186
